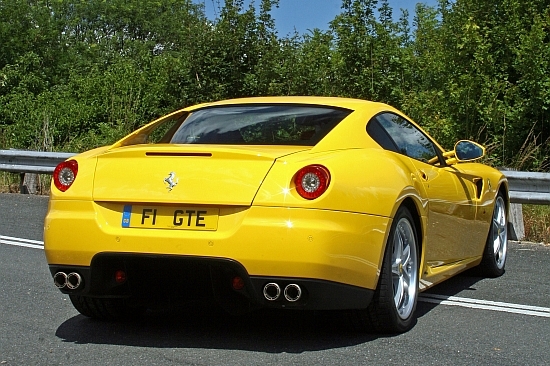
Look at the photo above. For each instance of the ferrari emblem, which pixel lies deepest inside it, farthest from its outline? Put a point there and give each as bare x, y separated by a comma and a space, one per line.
171, 181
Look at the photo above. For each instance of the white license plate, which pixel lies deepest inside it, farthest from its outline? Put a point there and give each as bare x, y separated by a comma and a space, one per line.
170, 217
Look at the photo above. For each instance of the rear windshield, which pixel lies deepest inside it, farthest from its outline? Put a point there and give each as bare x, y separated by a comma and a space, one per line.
258, 125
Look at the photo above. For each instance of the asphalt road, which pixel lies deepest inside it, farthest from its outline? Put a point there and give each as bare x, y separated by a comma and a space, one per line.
504, 321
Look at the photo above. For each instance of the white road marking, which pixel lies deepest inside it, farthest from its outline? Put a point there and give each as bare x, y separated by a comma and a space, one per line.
21, 242
486, 305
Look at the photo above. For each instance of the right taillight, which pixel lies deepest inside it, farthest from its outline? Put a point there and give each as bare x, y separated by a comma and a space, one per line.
65, 174
312, 181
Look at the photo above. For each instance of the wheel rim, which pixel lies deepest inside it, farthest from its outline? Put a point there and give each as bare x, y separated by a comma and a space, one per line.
499, 232
404, 268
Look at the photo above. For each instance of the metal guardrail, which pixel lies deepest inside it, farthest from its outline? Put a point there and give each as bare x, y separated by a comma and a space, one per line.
529, 188
22, 161
525, 187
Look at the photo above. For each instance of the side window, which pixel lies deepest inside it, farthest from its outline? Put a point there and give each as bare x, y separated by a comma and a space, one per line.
380, 135
405, 137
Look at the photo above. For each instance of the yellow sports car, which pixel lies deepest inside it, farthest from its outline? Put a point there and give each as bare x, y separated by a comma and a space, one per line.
282, 202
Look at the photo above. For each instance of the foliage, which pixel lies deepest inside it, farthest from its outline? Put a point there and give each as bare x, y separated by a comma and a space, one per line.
537, 223
77, 74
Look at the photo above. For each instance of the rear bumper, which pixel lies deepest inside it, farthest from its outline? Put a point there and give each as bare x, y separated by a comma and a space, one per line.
153, 280
337, 252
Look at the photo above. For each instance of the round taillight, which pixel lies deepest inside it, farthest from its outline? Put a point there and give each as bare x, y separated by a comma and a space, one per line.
312, 181
65, 174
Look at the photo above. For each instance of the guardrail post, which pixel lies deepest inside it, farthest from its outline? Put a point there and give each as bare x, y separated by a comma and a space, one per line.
29, 183
516, 227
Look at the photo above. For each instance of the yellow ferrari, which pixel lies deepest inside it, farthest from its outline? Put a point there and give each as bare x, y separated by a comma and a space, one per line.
281, 202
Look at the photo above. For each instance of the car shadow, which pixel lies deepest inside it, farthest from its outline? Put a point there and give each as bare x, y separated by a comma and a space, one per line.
269, 331
265, 330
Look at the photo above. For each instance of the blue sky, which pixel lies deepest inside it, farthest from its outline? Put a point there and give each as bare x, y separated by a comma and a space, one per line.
310, 14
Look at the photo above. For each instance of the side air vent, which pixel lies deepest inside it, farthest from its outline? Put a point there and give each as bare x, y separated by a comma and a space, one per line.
479, 187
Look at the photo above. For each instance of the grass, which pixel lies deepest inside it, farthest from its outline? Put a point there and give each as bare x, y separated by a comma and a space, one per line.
10, 183
536, 220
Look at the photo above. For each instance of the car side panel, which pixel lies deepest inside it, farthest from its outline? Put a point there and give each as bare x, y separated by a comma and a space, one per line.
451, 230
470, 237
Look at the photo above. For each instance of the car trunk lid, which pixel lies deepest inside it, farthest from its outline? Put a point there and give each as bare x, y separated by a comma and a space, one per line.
191, 174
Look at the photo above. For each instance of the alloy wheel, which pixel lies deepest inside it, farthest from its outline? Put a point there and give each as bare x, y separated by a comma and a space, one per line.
404, 268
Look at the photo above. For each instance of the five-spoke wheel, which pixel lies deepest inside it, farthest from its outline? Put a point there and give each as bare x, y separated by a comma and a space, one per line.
494, 255
394, 301
404, 268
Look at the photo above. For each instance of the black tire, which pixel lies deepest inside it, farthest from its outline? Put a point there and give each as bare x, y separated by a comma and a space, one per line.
105, 309
385, 314
496, 247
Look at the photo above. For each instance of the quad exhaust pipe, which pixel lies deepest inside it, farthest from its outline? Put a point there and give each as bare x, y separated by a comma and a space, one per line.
292, 292
71, 281
272, 291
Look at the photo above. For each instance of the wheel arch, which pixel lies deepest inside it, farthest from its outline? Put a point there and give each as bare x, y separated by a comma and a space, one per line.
412, 206
384, 313
503, 189
415, 208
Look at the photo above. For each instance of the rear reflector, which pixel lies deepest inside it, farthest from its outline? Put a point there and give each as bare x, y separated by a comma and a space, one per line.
237, 283
120, 276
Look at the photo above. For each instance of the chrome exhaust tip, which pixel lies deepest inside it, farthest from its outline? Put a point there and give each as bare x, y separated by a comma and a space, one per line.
272, 291
293, 292
60, 279
73, 280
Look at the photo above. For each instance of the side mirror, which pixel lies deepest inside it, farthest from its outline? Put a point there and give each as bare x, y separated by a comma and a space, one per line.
466, 150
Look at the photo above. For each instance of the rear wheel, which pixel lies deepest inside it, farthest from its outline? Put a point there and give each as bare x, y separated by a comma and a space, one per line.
105, 309
394, 302
494, 255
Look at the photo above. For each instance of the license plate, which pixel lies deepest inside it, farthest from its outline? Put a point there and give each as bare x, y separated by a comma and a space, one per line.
170, 217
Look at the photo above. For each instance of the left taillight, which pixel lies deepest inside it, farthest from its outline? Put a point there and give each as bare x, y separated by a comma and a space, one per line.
65, 174
312, 181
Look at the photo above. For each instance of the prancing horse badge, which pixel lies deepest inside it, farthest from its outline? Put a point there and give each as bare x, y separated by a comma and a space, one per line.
171, 181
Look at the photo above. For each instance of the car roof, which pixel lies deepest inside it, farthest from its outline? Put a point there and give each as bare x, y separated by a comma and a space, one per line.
349, 103
350, 133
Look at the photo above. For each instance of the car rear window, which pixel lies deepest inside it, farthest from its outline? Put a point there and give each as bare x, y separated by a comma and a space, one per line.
258, 125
